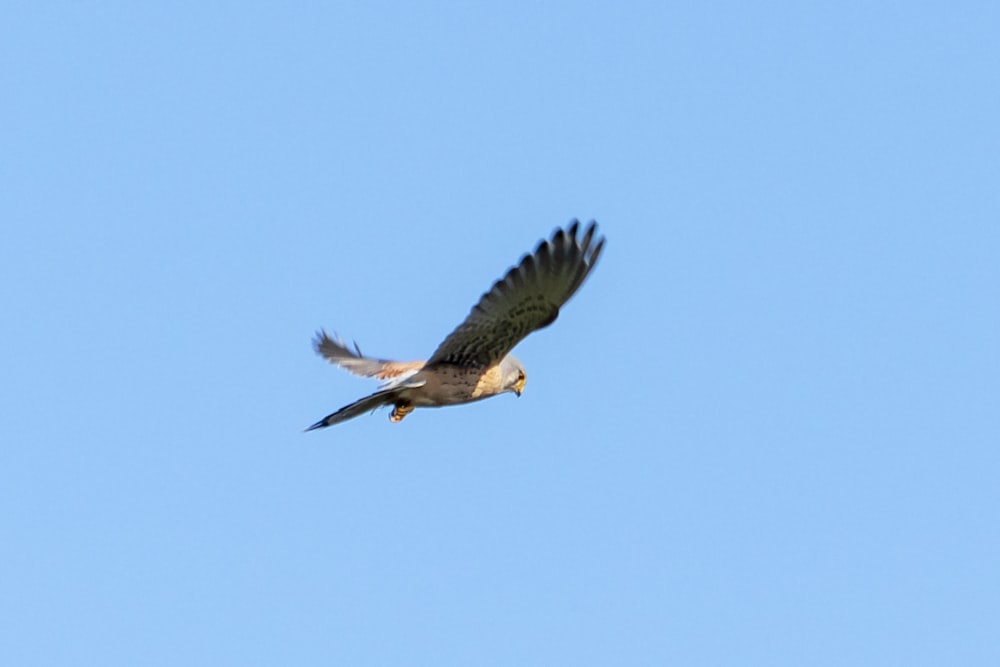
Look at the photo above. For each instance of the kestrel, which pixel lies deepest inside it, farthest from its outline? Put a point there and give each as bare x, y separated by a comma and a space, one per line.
474, 361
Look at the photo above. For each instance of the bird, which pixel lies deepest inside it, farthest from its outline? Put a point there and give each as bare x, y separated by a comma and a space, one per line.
474, 362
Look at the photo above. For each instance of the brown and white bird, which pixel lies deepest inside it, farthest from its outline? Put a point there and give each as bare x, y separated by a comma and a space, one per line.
474, 361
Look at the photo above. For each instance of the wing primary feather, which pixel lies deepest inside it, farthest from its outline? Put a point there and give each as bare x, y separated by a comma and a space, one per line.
575, 224
336, 351
527, 298
588, 236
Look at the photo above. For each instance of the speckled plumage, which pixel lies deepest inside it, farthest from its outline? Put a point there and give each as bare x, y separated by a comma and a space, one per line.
474, 361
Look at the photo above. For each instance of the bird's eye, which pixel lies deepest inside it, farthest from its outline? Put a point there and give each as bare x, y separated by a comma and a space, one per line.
520, 376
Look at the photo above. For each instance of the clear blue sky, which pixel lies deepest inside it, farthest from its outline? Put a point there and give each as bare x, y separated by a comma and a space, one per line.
765, 432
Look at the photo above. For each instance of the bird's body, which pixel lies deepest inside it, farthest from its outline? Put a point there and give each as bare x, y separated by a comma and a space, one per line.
474, 361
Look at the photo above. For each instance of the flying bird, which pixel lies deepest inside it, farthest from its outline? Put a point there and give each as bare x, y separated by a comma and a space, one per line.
474, 361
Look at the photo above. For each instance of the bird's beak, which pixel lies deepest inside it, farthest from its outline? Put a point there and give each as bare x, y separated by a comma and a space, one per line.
517, 392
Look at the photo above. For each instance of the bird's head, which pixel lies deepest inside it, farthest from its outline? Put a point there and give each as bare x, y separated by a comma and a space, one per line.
512, 372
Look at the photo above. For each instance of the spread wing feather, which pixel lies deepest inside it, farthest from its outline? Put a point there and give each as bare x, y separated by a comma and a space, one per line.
526, 299
334, 350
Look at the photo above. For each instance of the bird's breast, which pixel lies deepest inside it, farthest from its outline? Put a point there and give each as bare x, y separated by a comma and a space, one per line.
450, 385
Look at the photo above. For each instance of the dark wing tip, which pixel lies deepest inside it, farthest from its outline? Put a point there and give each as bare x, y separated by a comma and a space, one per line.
596, 252
590, 250
588, 235
570, 233
333, 347
318, 339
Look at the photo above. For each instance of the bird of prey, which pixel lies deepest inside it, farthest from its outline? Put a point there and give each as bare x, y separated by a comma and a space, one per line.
474, 361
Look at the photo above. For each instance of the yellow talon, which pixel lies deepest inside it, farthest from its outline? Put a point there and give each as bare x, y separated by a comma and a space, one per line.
399, 411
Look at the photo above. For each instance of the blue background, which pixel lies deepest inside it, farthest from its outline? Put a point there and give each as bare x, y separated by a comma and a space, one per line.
764, 432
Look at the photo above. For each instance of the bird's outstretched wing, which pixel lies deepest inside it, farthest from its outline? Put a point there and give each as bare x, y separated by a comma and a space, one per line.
336, 352
526, 299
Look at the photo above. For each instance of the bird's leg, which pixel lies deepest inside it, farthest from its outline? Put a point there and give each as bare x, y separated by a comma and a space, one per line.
399, 411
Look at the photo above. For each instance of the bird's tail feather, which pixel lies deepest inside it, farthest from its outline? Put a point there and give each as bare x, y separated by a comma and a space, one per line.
372, 402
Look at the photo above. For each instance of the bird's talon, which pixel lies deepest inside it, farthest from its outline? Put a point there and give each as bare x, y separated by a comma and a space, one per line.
399, 411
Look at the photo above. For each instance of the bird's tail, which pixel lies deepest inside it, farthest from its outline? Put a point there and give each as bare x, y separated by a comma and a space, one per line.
376, 400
